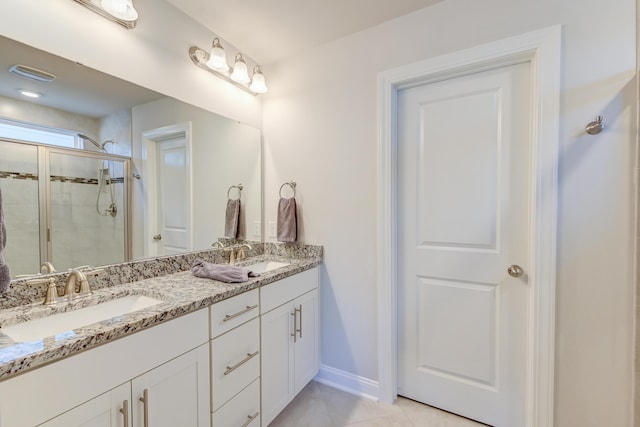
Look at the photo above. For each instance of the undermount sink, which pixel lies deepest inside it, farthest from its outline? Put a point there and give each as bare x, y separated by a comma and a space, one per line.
263, 267
58, 323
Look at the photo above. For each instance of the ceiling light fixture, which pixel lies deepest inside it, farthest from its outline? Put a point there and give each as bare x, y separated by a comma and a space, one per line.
119, 11
29, 93
215, 62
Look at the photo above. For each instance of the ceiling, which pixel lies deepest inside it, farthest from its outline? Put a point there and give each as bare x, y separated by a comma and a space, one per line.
77, 89
270, 30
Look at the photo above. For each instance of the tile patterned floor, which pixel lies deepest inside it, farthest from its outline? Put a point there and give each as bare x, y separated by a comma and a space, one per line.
319, 405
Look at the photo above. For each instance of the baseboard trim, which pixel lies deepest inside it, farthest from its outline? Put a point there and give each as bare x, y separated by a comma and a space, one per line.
346, 381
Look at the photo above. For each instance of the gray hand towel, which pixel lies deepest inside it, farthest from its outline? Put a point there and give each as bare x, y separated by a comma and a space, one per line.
5, 277
232, 219
287, 220
221, 272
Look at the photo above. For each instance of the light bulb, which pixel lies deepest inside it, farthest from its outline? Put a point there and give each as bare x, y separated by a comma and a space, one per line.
217, 58
121, 9
240, 73
258, 84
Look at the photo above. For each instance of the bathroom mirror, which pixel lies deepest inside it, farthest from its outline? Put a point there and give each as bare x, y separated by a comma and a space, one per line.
113, 170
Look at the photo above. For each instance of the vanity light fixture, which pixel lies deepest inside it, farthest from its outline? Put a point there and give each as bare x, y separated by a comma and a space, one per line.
240, 73
215, 62
258, 84
119, 11
217, 57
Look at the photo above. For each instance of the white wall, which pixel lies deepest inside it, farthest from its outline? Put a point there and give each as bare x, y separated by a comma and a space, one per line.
320, 129
153, 55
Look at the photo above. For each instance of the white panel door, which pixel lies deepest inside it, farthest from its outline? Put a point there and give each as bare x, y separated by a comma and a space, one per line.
463, 215
173, 197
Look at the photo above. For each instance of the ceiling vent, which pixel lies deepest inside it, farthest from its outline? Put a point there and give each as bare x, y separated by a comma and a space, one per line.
32, 73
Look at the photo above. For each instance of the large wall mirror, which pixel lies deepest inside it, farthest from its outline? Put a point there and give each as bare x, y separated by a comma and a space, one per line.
98, 170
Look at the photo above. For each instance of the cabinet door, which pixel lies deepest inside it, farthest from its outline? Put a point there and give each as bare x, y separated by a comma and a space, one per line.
102, 411
277, 361
175, 393
306, 347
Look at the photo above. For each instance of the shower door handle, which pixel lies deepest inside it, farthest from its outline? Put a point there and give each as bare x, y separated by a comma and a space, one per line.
157, 237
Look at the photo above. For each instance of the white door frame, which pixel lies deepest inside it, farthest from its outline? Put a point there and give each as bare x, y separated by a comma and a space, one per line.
150, 139
542, 49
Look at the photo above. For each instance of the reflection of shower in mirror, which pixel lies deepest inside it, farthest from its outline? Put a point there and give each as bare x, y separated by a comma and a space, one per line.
104, 179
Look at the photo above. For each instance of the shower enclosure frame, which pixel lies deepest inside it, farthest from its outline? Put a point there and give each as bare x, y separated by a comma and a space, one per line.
44, 191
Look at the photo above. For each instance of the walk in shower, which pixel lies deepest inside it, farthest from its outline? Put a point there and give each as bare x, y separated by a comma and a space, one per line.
63, 206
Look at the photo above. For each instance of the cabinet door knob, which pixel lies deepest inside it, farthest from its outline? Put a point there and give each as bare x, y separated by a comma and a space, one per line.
157, 237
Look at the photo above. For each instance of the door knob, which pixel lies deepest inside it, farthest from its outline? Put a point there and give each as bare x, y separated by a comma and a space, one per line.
157, 237
515, 271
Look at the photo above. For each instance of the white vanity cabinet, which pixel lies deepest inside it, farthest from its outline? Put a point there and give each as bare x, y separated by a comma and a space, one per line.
170, 361
172, 394
235, 361
290, 339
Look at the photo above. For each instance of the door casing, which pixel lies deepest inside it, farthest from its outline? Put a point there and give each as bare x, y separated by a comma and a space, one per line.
150, 139
542, 49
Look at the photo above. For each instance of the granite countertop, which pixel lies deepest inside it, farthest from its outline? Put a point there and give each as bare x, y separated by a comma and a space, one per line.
181, 293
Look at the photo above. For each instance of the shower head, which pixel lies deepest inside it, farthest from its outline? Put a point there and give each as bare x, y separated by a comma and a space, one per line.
94, 142
85, 137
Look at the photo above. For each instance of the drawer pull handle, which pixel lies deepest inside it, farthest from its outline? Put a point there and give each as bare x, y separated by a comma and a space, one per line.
250, 418
240, 313
125, 412
240, 363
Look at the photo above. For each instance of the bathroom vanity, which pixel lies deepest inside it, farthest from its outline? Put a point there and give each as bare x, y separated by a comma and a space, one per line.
208, 353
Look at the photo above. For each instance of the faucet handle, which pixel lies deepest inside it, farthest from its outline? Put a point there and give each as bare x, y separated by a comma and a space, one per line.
85, 286
51, 296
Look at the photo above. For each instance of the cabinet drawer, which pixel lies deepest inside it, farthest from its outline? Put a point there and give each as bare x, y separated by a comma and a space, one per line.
235, 361
278, 293
241, 411
227, 314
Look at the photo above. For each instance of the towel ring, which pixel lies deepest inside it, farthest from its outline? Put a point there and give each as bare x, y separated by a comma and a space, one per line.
291, 184
239, 187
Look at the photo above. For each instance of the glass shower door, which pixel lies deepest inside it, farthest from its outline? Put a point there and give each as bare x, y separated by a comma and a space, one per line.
87, 215
19, 184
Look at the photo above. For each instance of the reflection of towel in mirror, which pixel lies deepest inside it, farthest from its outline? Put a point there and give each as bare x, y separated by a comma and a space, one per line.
232, 219
221, 272
5, 277
287, 221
